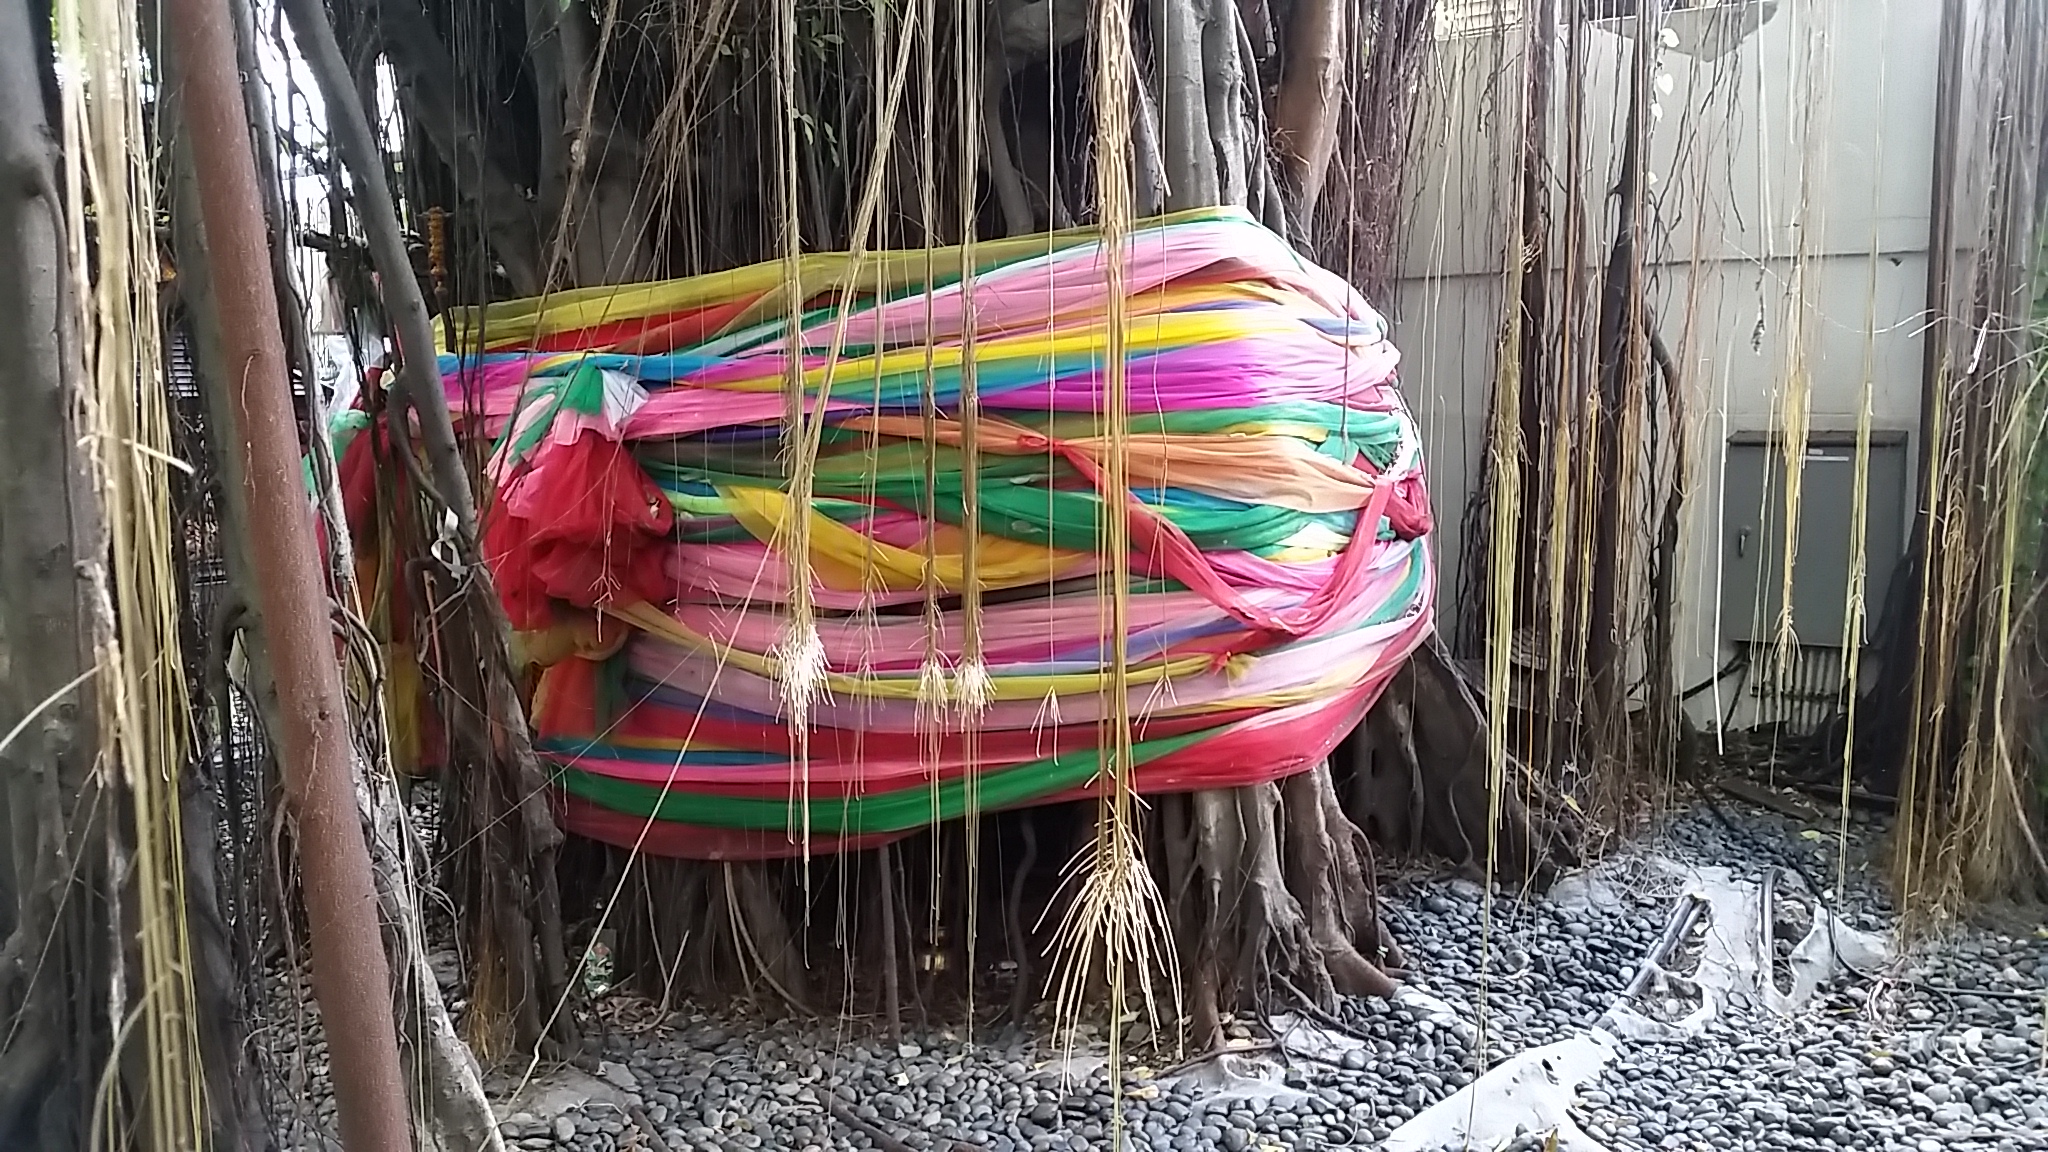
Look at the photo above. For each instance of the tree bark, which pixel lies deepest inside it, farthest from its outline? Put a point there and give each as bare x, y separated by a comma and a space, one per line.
1149, 167
599, 234
1223, 87
1305, 115
426, 73
545, 56
53, 976
233, 1084
1035, 29
1332, 883
443, 1071
1018, 219
233, 1080
1271, 894
1185, 138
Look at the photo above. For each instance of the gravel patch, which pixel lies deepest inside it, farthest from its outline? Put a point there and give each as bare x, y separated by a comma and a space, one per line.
1940, 1050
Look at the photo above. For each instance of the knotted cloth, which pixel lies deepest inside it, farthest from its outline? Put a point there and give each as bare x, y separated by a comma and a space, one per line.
638, 501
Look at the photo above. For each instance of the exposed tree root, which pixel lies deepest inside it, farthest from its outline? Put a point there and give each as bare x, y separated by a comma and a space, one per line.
1336, 892
696, 928
1282, 899
1415, 779
1270, 887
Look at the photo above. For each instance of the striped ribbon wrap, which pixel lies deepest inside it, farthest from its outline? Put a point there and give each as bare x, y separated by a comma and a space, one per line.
639, 504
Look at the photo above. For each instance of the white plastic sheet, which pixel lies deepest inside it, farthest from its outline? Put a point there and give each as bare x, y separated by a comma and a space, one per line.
1533, 1091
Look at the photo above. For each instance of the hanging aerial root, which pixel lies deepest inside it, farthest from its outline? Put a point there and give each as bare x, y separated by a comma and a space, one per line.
1118, 915
933, 692
800, 656
973, 689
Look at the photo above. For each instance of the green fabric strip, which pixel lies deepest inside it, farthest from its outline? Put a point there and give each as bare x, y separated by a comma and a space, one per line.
896, 811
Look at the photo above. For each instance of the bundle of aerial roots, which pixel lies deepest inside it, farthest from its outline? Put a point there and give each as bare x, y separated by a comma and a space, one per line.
922, 435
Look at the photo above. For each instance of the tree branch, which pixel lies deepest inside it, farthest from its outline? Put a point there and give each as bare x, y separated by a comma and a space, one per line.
419, 375
419, 381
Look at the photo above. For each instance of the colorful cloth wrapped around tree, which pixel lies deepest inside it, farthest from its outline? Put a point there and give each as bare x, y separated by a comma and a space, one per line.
1278, 526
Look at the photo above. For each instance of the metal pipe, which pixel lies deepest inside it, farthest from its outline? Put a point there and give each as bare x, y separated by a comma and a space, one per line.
351, 978
1683, 914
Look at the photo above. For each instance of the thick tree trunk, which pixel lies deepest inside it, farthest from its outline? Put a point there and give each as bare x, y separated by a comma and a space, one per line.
233, 1083
544, 55
53, 974
601, 236
428, 76
1223, 77
1185, 137
1305, 115
1274, 882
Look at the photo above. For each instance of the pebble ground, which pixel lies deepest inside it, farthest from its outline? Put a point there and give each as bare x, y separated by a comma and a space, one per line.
1940, 1050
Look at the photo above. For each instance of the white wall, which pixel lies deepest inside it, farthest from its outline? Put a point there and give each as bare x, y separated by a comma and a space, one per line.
1839, 90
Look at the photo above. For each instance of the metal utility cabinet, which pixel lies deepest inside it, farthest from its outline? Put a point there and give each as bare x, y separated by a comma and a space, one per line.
1753, 535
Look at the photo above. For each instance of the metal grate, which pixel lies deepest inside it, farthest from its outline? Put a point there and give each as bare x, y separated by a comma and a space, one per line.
1803, 697
1460, 19
229, 752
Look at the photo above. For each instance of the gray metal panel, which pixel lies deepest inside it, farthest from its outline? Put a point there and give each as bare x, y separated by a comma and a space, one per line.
1753, 535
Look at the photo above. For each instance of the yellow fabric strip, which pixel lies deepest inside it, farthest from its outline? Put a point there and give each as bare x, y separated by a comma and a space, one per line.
518, 323
841, 556
1147, 334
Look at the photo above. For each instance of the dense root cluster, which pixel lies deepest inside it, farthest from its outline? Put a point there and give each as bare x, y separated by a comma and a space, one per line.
1270, 888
